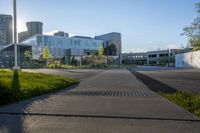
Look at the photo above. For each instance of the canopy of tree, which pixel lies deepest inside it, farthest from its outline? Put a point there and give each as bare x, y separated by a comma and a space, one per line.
111, 49
193, 31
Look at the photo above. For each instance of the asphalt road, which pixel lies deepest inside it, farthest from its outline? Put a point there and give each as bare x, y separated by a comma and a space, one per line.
174, 78
106, 101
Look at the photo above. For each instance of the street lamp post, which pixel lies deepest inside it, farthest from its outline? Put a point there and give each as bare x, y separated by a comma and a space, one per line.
119, 56
169, 52
107, 53
15, 32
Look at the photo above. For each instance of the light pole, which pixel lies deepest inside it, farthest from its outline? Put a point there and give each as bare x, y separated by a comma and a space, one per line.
169, 52
15, 32
119, 56
107, 52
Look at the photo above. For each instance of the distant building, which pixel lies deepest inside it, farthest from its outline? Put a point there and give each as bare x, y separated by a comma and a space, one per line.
155, 57
7, 53
33, 28
60, 45
134, 58
112, 38
63, 46
61, 33
84, 37
6, 31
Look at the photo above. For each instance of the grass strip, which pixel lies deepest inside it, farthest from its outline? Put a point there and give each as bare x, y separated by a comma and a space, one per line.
186, 100
17, 85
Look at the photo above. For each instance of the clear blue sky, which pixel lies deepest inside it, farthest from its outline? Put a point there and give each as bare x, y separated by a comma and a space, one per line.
144, 24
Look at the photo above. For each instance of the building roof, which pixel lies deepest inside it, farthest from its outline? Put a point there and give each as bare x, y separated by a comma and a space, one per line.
84, 37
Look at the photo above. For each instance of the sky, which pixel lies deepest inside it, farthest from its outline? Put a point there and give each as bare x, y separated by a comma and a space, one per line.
145, 25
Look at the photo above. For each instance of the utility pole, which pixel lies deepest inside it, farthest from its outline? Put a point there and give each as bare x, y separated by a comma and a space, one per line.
15, 32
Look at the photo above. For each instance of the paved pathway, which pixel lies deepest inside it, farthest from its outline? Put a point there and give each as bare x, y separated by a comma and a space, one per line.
112, 101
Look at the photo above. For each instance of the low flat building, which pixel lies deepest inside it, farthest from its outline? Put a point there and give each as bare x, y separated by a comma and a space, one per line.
160, 56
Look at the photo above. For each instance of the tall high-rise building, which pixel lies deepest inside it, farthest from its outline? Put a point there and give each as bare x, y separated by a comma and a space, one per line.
6, 30
33, 28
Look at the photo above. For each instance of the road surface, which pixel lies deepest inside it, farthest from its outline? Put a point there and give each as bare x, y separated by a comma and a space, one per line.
106, 101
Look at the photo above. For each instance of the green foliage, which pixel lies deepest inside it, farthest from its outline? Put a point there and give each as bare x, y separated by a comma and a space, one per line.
37, 64
195, 43
94, 61
164, 60
193, 31
111, 49
186, 100
28, 57
59, 66
101, 51
73, 61
46, 55
18, 85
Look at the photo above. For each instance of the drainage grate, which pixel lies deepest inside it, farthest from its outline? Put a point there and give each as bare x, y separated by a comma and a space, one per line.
110, 93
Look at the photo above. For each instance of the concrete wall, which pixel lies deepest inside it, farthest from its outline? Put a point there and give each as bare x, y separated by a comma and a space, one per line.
191, 59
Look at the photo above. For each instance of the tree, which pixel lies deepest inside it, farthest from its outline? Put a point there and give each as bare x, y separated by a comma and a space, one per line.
193, 31
166, 59
27, 56
46, 55
111, 49
101, 51
74, 62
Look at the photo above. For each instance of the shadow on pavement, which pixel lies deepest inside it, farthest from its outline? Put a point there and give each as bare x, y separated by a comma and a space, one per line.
153, 84
10, 123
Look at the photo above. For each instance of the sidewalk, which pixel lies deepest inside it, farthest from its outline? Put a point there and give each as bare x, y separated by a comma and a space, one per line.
110, 101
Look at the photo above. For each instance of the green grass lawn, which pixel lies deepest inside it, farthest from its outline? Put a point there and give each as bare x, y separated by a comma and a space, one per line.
186, 100
18, 85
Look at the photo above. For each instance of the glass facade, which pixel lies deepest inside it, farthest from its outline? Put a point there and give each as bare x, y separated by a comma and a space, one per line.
62, 46
6, 36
